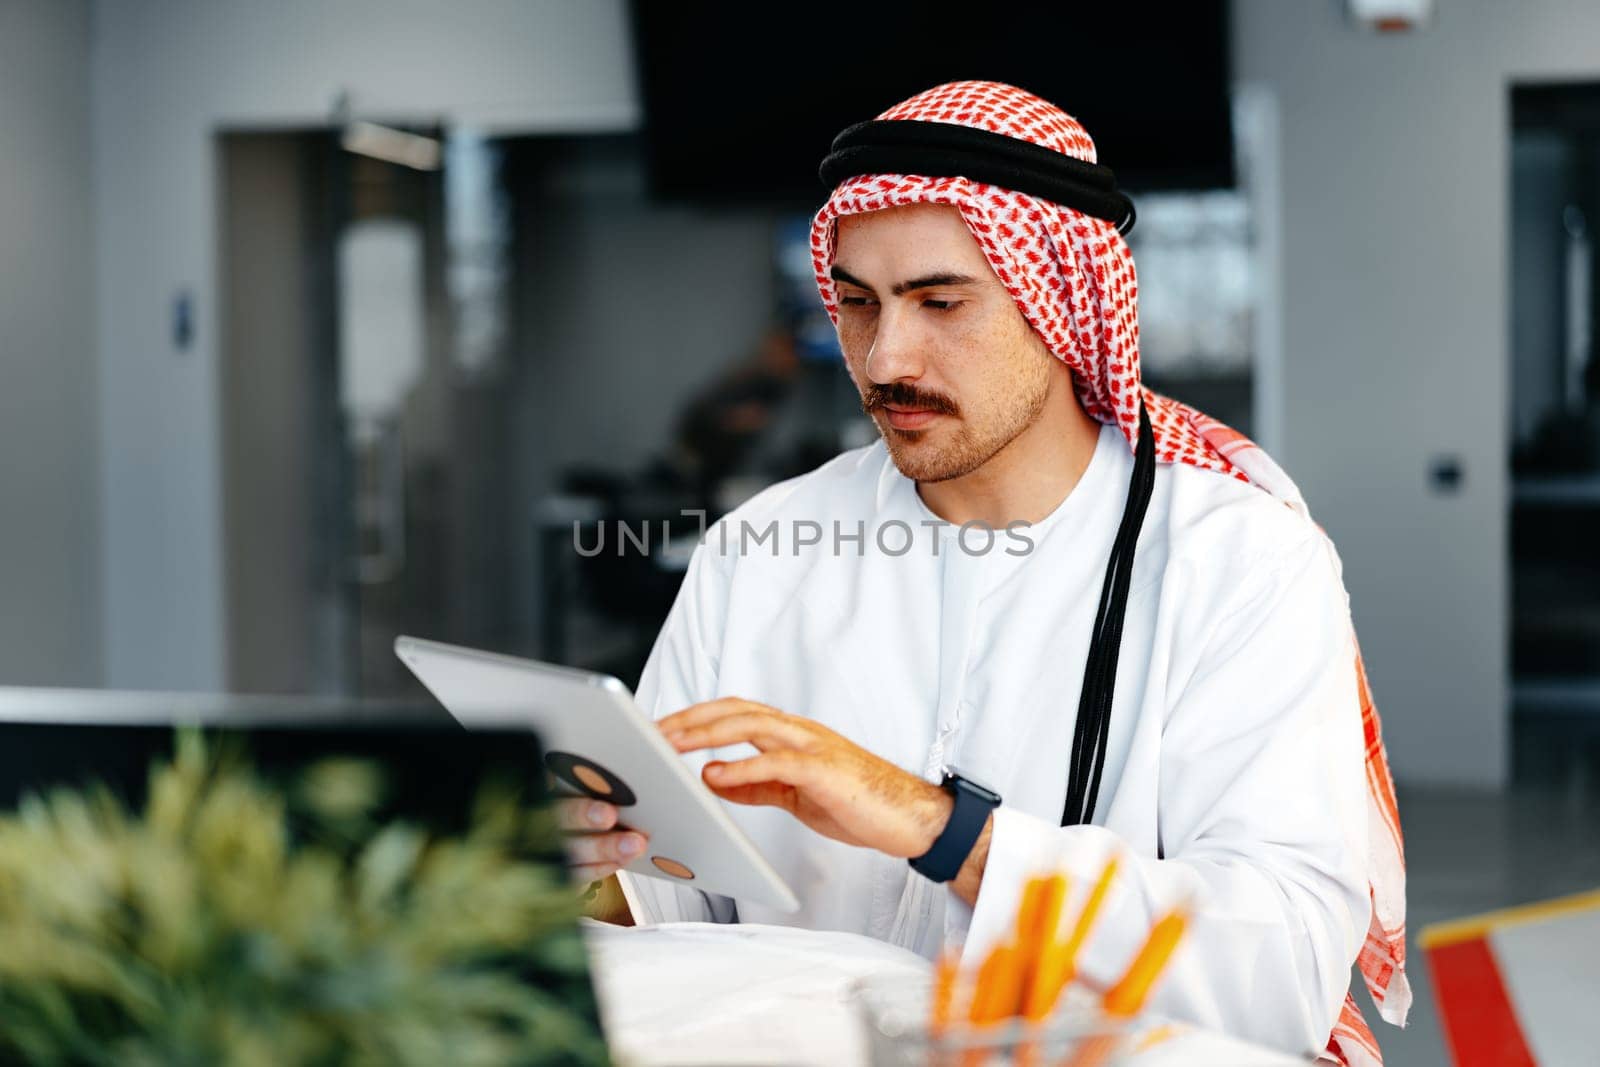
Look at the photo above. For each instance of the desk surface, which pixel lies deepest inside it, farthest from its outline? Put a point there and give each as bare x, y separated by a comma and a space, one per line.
701, 993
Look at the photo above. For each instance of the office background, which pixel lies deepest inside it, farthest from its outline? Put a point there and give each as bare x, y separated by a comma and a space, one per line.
165, 166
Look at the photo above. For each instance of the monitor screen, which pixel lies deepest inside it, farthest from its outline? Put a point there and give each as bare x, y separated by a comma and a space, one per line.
742, 102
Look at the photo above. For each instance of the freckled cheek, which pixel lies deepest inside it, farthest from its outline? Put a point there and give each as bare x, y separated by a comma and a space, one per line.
855, 342
960, 356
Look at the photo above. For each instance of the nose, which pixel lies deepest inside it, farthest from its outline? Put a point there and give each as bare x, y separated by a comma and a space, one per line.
896, 349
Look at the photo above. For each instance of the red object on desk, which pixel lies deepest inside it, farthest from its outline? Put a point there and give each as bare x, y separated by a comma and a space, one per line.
1517, 984
1476, 1010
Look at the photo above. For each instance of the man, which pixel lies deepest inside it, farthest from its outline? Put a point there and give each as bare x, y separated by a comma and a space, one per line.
1034, 534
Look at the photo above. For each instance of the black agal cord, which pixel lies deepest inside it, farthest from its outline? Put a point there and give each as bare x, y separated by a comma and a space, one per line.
1100, 672
945, 150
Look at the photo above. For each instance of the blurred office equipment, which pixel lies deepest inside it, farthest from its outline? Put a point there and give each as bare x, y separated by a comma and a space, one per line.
753, 113
1555, 399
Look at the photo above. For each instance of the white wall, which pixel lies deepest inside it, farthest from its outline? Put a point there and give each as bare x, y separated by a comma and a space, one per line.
167, 74
49, 495
1395, 195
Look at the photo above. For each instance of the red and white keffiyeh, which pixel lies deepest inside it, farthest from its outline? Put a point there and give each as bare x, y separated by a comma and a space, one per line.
1072, 277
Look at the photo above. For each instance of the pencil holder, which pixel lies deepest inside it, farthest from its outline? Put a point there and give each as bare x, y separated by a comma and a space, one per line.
899, 1031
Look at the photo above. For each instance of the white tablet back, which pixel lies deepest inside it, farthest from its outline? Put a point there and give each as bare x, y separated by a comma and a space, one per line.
597, 742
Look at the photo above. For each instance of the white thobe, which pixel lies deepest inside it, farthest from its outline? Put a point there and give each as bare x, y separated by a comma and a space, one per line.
1233, 776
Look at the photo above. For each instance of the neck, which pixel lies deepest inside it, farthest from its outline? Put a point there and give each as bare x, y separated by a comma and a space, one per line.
1029, 477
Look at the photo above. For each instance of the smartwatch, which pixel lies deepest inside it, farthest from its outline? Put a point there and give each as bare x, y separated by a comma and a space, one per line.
974, 802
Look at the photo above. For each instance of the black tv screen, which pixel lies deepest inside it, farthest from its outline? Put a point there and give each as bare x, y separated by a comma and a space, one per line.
742, 101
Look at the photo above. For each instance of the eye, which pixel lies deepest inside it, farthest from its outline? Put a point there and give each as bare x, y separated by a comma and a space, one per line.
854, 301
941, 305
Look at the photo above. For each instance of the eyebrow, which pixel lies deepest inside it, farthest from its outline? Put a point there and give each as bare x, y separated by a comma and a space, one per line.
927, 281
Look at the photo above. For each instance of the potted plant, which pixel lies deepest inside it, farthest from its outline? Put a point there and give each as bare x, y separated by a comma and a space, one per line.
236, 920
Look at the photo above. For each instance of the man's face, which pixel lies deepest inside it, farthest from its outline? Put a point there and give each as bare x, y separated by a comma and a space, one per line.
945, 363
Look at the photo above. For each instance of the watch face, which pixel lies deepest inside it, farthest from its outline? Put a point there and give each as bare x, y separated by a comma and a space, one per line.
973, 784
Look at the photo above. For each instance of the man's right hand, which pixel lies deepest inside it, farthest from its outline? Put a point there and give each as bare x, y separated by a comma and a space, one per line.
596, 847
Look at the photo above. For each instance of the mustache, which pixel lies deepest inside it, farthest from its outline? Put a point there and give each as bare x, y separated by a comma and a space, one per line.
905, 395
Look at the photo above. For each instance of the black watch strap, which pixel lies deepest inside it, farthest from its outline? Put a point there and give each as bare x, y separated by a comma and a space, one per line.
973, 804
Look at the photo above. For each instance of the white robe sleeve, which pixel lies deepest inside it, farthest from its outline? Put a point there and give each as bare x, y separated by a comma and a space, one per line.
682, 670
1262, 824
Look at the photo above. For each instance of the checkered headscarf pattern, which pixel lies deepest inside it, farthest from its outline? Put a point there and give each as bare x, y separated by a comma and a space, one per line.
1072, 276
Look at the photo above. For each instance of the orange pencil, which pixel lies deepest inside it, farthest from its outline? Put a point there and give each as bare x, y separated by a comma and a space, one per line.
1028, 908
1092, 1053
1055, 898
1050, 977
1124, 999
1036, 932
944, 989
978, 1007
982, 993
996, 997
1041, 937
1091, 909
1128, 995
1044, 951
1030, 916
945, 975
1062, 964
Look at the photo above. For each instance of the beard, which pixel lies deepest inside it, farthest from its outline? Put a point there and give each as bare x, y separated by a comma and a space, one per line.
956, 446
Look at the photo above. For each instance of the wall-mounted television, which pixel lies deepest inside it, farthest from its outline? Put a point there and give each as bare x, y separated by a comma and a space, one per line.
741, 101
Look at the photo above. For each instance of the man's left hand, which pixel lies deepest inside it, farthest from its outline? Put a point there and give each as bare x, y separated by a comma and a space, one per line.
835, 787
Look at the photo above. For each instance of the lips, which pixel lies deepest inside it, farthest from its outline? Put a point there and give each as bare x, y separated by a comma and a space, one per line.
902, 418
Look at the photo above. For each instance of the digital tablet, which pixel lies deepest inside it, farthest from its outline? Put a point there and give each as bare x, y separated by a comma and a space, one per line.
598, 743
